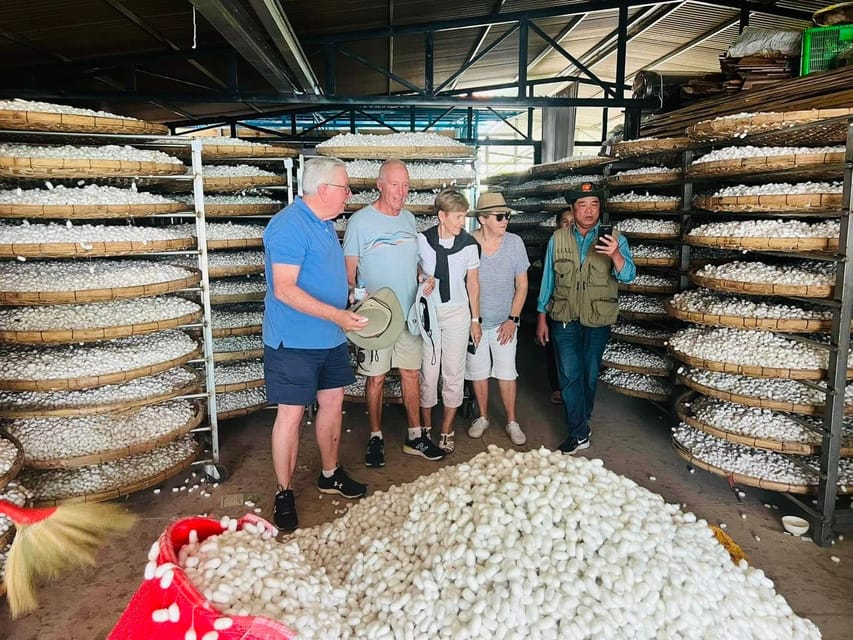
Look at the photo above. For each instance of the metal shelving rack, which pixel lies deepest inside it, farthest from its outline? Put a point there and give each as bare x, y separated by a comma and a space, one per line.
827, 517
211, 464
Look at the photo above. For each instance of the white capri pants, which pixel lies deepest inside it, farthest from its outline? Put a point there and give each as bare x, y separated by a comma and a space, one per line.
492, 359
449, 360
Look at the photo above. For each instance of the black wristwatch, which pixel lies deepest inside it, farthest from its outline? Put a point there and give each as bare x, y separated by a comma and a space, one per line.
515, 319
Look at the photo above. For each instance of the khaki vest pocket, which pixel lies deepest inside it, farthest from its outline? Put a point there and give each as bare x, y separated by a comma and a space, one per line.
604, 312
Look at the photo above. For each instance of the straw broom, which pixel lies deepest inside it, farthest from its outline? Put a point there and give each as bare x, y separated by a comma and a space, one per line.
52, 539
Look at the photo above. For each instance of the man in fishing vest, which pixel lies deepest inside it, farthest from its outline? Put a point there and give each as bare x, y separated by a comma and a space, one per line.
581, 272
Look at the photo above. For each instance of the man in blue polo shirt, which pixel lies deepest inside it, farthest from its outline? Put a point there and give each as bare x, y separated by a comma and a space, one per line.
305, 317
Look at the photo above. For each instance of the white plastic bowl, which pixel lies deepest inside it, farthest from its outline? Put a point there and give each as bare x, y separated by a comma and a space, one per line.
795, 525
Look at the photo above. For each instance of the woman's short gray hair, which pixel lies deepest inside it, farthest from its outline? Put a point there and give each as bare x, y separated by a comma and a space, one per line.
450, 199
319, 171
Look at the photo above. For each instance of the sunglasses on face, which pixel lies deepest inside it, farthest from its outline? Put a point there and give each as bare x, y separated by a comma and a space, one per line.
500, 216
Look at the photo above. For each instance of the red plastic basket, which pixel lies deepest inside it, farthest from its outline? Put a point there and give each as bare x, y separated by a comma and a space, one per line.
198, 617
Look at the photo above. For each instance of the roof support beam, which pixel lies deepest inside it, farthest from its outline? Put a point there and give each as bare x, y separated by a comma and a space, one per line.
710, 33
469, 63
571, 25
237, 27
135, 19
480, 39
275, 21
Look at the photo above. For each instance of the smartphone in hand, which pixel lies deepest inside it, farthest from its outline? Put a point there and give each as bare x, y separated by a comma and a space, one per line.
604, 230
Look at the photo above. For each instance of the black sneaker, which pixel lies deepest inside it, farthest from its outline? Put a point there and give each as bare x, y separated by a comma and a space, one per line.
423, 447
375, 456
571, 445
341, 484
284, 512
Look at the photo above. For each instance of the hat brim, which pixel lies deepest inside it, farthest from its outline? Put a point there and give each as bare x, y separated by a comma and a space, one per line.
487, 211
395, 327
572, 197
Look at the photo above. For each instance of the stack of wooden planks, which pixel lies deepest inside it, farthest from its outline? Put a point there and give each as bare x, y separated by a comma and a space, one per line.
815, 91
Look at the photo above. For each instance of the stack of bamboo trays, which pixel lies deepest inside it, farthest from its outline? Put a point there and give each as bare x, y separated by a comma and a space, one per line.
50, 316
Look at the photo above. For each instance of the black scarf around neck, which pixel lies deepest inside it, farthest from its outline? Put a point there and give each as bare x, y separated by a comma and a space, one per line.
442, 269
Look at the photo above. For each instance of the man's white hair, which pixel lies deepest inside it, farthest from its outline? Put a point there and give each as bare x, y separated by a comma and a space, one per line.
319, 171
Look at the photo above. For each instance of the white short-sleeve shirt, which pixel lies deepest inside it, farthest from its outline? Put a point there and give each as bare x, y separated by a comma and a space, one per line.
458, 264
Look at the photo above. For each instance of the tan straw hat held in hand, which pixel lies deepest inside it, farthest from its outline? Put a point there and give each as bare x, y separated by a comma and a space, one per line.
385, 320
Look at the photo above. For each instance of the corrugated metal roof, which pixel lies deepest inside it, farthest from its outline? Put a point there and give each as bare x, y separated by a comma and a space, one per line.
41, 32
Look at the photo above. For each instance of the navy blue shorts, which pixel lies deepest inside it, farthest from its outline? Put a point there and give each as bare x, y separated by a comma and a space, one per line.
293, 376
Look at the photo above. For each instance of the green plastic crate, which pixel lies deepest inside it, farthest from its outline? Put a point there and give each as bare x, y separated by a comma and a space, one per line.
821, 46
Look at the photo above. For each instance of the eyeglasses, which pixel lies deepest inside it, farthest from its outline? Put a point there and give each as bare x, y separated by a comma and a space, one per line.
345, 187
500, 216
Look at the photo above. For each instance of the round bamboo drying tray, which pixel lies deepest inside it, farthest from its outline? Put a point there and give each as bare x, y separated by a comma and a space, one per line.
235, 243
643, 340
556, 168
784, 325
751, 370
729, 128
231, 298
239, 270
95, 249
650, 236
46, 168
776, 405
133, 487
17, 463
775, 202
242, 411
796, 448
238, 183
403, 153
223, 210
415, 184
633, 179
656, 262
87, 382
247, 330
646, 288
739, 478
634, 393
648, 205
829, 164
85, 211
761, 288
233, 151
239, 386
764, 244
55, 336
5, 539
189, 388
17, 298
642, 316
122, 452
536, 207
245, 354
658, 372
24, 120
632, 148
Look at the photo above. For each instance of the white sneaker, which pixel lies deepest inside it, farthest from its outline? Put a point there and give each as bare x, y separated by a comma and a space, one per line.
513, 430
478, 427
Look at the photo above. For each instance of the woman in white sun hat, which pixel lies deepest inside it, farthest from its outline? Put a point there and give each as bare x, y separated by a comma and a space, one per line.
503, 289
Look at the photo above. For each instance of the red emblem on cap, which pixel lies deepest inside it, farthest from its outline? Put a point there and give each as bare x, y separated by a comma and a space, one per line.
586, 186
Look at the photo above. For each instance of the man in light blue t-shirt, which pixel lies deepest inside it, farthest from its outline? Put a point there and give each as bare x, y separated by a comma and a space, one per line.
380, 246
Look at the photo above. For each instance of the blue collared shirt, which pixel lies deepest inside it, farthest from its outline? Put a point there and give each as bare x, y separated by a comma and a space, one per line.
546, 288
296, 236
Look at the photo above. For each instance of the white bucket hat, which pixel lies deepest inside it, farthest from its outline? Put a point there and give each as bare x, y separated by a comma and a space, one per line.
422, 318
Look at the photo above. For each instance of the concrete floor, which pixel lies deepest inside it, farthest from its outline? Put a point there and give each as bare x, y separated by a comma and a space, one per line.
630, 435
